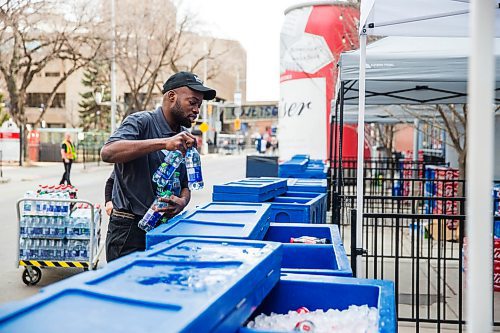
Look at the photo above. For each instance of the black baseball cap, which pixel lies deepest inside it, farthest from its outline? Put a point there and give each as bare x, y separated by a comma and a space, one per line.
186, 79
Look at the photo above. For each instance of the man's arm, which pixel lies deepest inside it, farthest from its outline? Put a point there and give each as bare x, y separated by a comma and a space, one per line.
122, 151
176, 204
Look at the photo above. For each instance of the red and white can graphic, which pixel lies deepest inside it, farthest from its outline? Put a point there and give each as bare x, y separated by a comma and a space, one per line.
312, 37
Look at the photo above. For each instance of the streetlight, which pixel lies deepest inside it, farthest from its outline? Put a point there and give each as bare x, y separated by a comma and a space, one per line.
42, 108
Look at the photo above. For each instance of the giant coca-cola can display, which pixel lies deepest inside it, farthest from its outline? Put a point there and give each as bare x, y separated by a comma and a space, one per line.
312, 37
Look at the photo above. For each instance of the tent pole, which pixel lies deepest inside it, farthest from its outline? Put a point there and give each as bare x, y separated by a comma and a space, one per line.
416, 132
361, 150
340, 181
480, 167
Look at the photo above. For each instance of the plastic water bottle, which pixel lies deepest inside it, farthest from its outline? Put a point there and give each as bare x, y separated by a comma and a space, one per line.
193, 166
65, 205
173, 159
151, 218
22, 248
28, 208
33, 226
166, 170
69, 227
176, 185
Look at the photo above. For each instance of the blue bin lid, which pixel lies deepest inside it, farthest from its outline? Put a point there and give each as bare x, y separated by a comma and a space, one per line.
185, 285
217, 219
307, 185
251, 186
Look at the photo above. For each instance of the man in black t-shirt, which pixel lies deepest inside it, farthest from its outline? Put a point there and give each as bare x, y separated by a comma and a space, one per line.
138, 147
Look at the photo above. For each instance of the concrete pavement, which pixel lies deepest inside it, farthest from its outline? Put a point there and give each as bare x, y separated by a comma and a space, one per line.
90, 183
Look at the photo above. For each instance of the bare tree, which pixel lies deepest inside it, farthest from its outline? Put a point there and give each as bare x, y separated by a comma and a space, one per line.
452, 118
34, 34
152, 44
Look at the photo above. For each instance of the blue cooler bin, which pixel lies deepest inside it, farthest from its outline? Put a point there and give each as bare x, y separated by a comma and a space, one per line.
330, 292
189, 285
249, 190
299, 207
317, 259
307, 185
216, 220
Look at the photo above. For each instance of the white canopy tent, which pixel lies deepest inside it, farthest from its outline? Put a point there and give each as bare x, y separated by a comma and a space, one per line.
479, 19
420, 18
412, 70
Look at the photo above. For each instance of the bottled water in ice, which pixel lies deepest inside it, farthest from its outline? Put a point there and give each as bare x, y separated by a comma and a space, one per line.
354, 319
193, 167
151, 218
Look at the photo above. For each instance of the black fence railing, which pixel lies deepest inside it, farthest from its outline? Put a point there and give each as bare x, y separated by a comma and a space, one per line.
413, 229
420, 253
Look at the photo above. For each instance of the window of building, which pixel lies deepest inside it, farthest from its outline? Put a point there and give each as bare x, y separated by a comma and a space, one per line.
35, 100
56, 125
52, 74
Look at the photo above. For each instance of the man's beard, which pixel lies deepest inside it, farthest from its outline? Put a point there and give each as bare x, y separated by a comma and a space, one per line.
179, 116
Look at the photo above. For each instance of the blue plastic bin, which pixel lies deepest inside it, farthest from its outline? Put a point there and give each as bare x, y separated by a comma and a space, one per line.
307, 185
217, 219
160, 290
317, 162
301, 157
330, 292
312, 172
300, 207
294, 165
250, 190
301, 166
322, 259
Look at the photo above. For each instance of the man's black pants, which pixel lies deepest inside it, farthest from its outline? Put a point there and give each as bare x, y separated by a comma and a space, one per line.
124, 236
67, 171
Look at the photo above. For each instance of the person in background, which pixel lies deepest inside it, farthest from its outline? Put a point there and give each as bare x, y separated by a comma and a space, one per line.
108, 192
137, 149
68, 155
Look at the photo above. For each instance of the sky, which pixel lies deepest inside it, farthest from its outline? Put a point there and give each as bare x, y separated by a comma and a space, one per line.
256, 24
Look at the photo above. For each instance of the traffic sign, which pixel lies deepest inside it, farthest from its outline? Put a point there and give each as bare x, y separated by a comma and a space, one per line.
204, 127
237, 124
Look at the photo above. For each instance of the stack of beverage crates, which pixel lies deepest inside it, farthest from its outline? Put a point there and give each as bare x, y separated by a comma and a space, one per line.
496, 200
53, 229
408, 171
496, 262
442, 182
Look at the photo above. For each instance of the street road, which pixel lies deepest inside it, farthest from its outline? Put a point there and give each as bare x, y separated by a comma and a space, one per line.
90, 183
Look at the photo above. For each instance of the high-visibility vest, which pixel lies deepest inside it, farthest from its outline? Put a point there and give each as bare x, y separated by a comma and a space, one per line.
70, 152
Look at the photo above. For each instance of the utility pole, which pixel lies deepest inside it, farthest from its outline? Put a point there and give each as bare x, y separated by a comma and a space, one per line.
113, 68
204, 145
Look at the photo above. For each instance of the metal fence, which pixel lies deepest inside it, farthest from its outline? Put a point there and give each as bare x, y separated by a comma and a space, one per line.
411, 238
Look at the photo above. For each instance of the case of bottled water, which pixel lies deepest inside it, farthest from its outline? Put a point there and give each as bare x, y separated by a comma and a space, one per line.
51, 230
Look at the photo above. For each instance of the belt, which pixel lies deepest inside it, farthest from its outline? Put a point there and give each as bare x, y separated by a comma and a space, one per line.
124, 214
